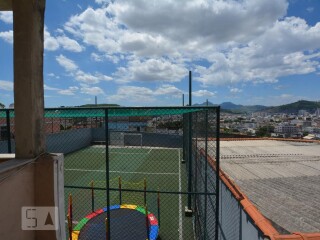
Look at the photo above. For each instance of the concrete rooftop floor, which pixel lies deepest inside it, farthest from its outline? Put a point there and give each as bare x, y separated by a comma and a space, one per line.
281, 178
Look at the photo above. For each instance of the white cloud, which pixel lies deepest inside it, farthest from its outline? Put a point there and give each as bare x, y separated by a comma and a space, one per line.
6, 17
235, 90
203, 93
96, 29
151, 70
91, 79
52, 43
46, 87
52, 75
102, 1
256, 42
66, 63
145, 95
310, 9
6, 85
69, 44
290, 47
72, 68
70, 91
167, 89
241, 20
132, 94
92, 90
96, 57
7, 36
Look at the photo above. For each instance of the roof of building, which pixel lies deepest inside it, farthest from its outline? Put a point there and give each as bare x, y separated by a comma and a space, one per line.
281, 178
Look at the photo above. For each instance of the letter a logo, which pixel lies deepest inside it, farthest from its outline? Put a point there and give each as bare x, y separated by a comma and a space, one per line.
48, 220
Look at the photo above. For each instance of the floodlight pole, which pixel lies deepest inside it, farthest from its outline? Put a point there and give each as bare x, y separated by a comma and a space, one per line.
182, 99
107, 170
188, 211
190, 88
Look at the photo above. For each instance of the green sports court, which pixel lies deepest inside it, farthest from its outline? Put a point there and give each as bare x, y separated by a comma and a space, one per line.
160, 168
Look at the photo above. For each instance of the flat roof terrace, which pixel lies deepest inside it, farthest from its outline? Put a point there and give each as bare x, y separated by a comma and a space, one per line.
281, 178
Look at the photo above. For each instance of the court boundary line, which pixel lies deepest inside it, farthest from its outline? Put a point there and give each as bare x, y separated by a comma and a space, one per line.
99, 170
131, 147
180, 200
104, 151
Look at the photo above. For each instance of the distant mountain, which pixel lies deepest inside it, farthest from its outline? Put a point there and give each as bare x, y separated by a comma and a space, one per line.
230, 105
309, 106
235, 108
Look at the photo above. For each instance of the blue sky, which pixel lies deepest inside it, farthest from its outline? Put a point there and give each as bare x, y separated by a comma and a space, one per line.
138, 53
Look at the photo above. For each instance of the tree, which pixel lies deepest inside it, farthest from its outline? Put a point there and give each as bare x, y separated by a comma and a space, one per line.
265, 131
2, 105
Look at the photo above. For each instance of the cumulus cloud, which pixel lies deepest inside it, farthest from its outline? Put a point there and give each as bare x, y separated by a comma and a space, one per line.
150, 70
143, 94
73, 69
6, 85
235, 90
68, 64
69, 91
203, 93
256, 42
91, 90
133, 94
69, 44
95, 28
288, 48
52, 43
6, 17
102, 1
241, 20
7, 36
168, 89
46, 87
90, 78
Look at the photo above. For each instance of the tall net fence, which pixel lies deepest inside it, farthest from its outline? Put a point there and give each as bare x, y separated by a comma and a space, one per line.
135, 173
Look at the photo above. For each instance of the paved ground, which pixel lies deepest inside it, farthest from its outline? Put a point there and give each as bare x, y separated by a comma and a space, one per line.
281, 178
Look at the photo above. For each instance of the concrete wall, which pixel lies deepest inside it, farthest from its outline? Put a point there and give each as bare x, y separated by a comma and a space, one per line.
235, 223
31, 183
16, 192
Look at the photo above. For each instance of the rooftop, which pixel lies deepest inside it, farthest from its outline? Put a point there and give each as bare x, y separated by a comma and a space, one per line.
280, 177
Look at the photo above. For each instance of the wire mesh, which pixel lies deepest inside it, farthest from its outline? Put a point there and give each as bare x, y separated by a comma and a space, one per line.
159, 159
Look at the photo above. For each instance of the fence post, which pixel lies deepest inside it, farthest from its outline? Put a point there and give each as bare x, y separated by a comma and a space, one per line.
107, 172
8, 130
189, 162
206, 174
217, 171
196, 166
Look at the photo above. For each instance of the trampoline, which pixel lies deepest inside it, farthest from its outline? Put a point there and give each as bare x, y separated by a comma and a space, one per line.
126, 222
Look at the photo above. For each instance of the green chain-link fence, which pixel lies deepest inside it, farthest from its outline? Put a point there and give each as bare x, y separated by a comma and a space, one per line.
120, 162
